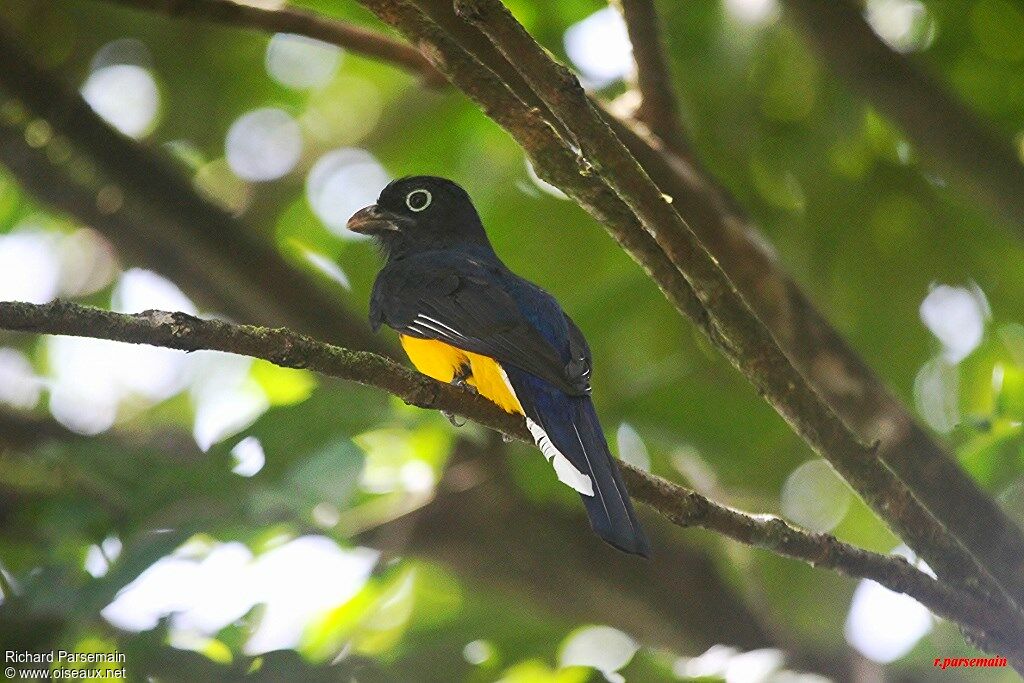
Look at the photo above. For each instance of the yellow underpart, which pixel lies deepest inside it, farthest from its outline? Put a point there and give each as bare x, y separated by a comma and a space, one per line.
442, 361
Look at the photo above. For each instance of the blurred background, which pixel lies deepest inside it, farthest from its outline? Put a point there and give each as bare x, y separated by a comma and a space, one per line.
217, 518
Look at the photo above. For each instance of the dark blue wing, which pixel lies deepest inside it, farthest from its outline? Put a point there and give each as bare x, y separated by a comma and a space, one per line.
566, 427
466, 304
569, 434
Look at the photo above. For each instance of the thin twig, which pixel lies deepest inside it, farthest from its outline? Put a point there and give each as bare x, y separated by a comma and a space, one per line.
947, 133
678, 504
659, 107
300, 22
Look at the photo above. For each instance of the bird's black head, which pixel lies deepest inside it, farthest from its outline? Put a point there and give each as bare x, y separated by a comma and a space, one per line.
421, 213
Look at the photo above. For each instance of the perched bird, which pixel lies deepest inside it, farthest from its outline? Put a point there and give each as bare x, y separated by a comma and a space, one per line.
464, 317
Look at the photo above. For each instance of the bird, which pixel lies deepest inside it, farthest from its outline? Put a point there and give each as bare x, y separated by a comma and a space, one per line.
464, 317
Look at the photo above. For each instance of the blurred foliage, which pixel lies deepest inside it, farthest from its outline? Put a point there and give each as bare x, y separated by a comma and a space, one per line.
836, 189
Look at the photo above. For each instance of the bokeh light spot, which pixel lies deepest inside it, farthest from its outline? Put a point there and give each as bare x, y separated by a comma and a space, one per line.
125, 96
300, 62
600, 647
937, 394
122, 51
753, 12
264, 144
342, 182
632, 448
904, 25
19, 386
29, 266
87, 263
814, 497
599, 46
957, 317
883, 625
248, 456
477, 652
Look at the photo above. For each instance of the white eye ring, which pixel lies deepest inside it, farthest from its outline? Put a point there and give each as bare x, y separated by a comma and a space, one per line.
408, 199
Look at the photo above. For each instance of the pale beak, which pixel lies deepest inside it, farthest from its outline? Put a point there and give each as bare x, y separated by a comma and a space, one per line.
373, 221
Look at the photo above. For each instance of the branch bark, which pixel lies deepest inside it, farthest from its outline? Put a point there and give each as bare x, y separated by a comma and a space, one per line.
685, 182
743, 338
827, 362
57, 185
948, 134
818, 351
556, 161
679, 505
822, 354
659, 107
356, 39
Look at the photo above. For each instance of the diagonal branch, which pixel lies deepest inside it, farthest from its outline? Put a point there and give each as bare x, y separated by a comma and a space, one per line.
948, 134
816, 348
748, 344
659, 106
823, 355
559, 165
679, 505
356, 39
790, 307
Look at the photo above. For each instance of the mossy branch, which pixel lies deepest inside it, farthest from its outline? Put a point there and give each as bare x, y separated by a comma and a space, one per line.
680, 505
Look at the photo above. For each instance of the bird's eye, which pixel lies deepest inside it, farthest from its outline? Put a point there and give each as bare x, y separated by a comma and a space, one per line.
417, 200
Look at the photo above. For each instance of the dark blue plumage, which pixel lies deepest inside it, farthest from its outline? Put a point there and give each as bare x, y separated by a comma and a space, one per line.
571, 421
443, 281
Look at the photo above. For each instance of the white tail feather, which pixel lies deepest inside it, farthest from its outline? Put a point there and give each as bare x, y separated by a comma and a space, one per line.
567, 474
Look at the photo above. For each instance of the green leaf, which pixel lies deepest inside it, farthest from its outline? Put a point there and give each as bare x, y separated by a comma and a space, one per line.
283, 386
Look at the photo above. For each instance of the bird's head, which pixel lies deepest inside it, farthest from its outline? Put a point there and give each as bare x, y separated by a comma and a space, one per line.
421, 212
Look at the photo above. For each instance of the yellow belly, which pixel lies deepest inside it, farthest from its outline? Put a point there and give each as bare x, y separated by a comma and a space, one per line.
442, 361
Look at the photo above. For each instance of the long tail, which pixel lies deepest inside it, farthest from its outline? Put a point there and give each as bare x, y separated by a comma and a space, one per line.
610, 510
569, 434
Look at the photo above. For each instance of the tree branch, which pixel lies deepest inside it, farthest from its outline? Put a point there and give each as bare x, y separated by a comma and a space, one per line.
904, 445
301, 22
823, 356
161, 220
659, 106
817, 349
679, 505
737, 234
947, 133
559, 164
748, 343
778, 300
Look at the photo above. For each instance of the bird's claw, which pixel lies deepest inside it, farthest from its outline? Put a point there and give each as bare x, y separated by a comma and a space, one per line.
461, 380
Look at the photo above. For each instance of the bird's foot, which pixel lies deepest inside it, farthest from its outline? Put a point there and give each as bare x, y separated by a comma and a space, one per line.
461, 380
